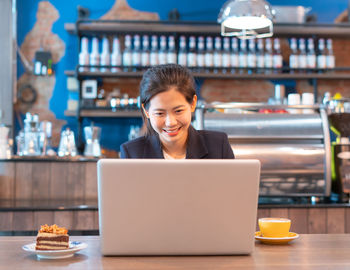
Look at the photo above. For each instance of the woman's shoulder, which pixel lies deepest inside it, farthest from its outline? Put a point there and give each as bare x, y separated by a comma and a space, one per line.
135, 143
212, 134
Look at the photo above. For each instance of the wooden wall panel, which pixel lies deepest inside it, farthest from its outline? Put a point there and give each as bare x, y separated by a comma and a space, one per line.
43, 217
317, 220
335, 220
7, 180
23, 221
96, 220
299, 218
91, 181
279, 212
59, 177
83, 220
24, 180
6, 221
64, 219
347, 220
41, 180
76, 180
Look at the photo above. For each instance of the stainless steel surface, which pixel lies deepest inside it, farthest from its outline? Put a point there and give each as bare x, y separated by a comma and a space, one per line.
290, 14
294, 149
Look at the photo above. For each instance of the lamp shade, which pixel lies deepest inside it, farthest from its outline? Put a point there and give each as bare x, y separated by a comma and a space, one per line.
245, 18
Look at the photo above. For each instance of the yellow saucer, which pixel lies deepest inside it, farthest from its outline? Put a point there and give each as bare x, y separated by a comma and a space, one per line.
276, 241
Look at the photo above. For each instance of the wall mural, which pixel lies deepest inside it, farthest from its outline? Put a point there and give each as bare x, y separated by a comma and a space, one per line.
41, 37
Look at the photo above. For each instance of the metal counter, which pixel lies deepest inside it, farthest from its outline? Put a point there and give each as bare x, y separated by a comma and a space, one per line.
294, 148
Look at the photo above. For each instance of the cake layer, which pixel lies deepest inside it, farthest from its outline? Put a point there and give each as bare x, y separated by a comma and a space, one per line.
45, 247
59, 238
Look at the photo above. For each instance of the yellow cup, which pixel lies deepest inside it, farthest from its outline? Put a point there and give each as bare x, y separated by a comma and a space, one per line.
274, 227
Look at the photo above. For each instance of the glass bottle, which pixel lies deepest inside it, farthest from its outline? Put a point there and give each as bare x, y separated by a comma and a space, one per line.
105, 55
293, 58
171, 55
191, 53
217, 54
84, 54
200, 53
209, 54
94, 55
302, 59
154, 60
268, 57
242, 56
226, 55
321, 57
116, 57
145, 53
311, 56
162, 59
127, 54
251, 56
182, 55
136, 53
330, 59
277, 56
234, 54
260, 61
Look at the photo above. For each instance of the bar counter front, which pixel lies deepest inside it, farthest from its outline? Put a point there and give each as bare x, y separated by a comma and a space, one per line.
310, 251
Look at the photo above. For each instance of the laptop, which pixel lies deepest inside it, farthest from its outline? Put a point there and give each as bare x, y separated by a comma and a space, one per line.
177, 207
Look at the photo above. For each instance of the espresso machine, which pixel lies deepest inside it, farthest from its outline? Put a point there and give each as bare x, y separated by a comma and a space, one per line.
339, 118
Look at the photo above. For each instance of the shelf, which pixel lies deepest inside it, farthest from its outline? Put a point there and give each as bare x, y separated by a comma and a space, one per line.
336, 74
103, 113
90, 27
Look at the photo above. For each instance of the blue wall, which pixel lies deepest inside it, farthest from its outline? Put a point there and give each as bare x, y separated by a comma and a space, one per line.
199, 10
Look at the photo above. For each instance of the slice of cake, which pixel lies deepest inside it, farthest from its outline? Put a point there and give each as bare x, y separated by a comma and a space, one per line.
52, 238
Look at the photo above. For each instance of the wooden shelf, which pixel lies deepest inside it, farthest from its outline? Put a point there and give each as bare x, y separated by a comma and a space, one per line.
337, 74
89, 27
104, 113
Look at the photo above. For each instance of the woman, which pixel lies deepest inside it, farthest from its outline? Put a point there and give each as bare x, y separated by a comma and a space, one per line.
168, 99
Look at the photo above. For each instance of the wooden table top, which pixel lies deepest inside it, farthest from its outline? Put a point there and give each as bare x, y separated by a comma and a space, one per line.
310, 251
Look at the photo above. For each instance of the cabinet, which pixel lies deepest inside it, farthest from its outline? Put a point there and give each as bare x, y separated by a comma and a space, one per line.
100, 28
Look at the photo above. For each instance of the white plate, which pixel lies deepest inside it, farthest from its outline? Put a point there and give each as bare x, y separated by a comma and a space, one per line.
74, 246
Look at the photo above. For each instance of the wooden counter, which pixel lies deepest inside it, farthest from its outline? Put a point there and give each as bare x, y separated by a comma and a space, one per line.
308, 252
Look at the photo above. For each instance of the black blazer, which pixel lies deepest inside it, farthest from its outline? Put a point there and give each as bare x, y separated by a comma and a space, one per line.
201, 144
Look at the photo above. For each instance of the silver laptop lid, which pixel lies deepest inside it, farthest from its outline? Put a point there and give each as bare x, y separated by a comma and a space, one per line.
177, 207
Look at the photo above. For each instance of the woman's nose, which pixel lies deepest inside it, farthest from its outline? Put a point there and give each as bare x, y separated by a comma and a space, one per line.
170, 119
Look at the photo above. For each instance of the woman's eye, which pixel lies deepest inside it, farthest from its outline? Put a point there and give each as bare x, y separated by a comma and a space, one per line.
158, 114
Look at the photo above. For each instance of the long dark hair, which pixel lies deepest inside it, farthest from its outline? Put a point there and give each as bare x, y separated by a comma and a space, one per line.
161, 78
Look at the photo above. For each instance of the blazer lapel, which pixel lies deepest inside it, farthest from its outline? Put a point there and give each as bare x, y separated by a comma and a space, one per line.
196, 148
153, 148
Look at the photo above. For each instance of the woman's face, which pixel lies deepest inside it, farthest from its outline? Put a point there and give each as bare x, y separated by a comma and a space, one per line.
170, 116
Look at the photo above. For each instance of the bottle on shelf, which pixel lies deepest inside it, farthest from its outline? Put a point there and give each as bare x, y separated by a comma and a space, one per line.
116, 57
330, 59
260, 61
182, 55
251, 56
311, 56
302, 59
145, 53
209, 54
105, 55
277, 56
136, 53
321, 56
94, 55
162, 53
84, 54
200, 53
127, 53
234, 55
268, 57
226, 55
171, 54
217, 54
154, 60
191, 53
293, 58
